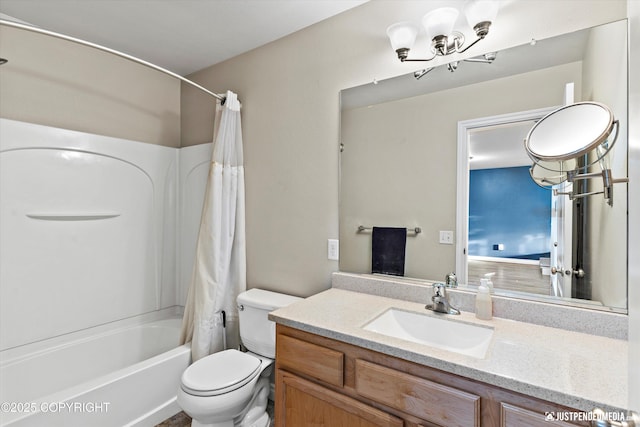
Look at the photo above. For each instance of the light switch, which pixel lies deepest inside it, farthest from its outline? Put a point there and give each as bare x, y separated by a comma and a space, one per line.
333, 249
446, 237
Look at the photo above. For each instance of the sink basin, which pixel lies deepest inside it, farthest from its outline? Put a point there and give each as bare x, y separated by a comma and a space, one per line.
451, 335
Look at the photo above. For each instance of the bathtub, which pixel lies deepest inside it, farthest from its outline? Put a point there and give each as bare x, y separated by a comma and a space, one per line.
122, 374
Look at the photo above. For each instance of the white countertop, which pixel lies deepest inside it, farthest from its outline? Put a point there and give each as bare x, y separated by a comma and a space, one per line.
570, 368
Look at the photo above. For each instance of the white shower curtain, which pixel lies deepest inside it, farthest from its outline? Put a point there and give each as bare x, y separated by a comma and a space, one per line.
219, 272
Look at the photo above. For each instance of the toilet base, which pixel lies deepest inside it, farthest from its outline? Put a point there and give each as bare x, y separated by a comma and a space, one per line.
195, 423
254, 414
262, 421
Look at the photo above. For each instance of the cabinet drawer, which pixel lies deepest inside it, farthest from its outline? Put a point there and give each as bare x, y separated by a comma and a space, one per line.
316, 361
514, 416
417, 396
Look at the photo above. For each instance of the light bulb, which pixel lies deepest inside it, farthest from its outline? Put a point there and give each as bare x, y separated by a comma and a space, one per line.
440, 22
402, 35
481, 11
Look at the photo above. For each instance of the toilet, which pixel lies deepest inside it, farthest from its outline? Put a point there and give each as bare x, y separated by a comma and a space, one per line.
231, 388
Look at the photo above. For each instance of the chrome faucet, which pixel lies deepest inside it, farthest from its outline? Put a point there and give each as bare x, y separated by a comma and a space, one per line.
451, 280
440, 301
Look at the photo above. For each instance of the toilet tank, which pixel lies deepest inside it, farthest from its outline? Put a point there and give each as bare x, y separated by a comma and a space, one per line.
257, 332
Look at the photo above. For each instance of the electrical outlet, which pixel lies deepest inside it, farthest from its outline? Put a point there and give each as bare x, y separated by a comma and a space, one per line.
446, 237
333, 249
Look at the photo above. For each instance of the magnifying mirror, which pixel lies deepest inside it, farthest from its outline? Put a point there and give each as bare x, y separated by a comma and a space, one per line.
547, 177
571, 132
565, 143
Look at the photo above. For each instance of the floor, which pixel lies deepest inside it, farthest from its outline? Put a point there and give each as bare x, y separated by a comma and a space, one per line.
513, 277
179, 420
183, 420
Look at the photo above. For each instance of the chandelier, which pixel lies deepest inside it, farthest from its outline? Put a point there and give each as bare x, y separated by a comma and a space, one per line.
439, 25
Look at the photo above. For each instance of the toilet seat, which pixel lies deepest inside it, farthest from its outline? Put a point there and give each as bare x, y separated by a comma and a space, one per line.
220, 373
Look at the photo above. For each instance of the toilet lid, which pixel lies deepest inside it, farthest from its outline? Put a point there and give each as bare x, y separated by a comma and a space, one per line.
220, 373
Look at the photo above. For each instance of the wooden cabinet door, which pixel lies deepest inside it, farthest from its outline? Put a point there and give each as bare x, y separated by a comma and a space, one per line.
514, 416
417, 396
301, 403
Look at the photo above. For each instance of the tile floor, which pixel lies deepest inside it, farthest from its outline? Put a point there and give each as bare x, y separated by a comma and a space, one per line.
179, 420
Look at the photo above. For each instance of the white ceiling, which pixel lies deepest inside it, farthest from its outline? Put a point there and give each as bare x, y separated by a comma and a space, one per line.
182, 36
499, 146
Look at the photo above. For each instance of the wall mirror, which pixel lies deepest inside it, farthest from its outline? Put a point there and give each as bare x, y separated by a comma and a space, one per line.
401, 166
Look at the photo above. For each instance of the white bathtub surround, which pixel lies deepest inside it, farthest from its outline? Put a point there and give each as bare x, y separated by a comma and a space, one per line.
94, 235
192, 177
86, 235
219, 273
125, 373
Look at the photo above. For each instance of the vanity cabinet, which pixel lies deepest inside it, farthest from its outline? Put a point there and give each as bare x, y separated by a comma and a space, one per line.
325, 382
309, 404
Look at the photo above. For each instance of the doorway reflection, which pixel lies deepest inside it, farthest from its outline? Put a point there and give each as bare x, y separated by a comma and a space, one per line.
509, 228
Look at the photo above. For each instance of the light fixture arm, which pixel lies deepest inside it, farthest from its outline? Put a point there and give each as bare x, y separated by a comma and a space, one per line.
481, 29
443, 45
403, 54
487, 58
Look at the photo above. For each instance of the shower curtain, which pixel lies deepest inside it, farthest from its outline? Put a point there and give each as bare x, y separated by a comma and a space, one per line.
219, 272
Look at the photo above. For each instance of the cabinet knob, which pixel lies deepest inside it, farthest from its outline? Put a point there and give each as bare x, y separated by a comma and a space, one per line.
601, 419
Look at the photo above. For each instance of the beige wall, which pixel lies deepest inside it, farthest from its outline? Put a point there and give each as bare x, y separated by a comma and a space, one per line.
58, 83
399, 163
605, 66
289, 89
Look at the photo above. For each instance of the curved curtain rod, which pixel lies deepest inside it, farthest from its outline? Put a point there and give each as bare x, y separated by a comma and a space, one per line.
109, 50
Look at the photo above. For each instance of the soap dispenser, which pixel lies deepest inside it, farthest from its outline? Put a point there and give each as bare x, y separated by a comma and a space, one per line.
489, 283
484, 306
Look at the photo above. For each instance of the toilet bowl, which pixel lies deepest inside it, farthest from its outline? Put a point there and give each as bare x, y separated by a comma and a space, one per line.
231, 388
225, 381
